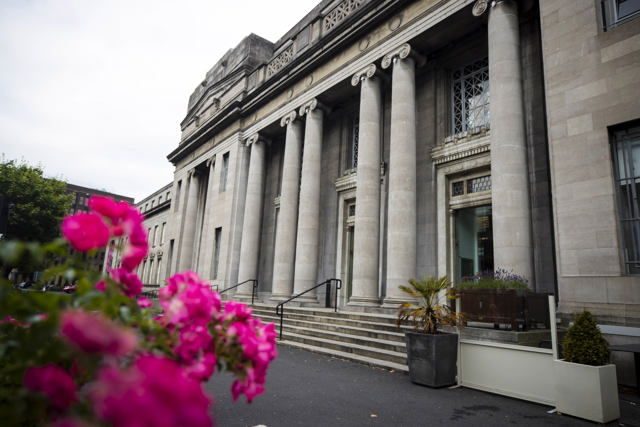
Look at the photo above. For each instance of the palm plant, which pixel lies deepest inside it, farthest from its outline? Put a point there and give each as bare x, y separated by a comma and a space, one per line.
428, 314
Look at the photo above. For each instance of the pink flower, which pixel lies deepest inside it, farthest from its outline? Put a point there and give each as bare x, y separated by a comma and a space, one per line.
133, 255
187, 298
144, 302
202, 369
85, 231
94, 333
108, 207
194, 339
131, 283
153, 392
54, 382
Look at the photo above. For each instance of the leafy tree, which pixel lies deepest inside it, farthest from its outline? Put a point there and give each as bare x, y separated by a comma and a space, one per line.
39, 203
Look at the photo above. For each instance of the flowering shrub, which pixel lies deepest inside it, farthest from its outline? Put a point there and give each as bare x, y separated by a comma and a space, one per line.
100, 356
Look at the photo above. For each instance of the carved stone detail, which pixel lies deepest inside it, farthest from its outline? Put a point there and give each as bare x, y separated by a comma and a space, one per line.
339, 13
480, 7
401, 52
366, 73
280, 61
289, 118
252, 139
211, 161
309, 106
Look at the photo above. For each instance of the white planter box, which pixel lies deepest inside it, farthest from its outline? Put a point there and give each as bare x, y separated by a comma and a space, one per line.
589, 392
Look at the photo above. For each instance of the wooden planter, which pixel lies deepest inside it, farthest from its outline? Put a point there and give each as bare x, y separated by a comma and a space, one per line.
432, 359
522, 310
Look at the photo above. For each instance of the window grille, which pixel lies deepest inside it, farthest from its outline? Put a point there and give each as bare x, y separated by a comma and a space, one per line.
482, 183
626, 158
355, 134
471, 185
457, 188
470, 96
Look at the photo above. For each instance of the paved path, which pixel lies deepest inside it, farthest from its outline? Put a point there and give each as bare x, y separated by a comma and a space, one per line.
308, 389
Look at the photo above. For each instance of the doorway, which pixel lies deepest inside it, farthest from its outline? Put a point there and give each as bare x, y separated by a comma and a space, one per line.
473, 241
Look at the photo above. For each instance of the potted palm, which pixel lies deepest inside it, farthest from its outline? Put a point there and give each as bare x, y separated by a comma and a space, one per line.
586, 383
431, 354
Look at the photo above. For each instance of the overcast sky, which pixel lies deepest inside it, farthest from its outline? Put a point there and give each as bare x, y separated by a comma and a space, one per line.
93, 91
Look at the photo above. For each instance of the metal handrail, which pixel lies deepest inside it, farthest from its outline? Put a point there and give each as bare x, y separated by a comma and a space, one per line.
253, 290
280, 306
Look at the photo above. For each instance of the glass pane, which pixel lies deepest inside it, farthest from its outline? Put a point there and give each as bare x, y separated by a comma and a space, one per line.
474, 241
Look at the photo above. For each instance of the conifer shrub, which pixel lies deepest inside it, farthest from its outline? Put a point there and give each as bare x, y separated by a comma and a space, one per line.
584, 342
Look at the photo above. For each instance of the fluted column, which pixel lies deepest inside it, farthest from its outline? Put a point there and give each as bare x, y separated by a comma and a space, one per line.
509, 173
309, 207
285, 246
189, 224
250, 245
402, 207
367, 218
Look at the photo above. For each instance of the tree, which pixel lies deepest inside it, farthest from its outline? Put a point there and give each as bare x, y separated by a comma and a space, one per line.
38, 203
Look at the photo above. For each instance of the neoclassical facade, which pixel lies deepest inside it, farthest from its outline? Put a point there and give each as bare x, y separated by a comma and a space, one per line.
379, 141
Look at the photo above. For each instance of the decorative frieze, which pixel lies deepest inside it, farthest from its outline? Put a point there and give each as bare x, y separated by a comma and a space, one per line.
450, 152
280, 61
339, 13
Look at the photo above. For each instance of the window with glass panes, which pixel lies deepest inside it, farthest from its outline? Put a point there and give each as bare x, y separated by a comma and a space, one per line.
470, 96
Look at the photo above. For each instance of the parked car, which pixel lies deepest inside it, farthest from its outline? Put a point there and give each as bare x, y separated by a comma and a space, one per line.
69, 289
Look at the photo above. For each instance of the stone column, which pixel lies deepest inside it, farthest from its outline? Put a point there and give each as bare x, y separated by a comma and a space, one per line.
401, 225
309, 207
189, 224
367, 218
285, 246
511, 210
250, 246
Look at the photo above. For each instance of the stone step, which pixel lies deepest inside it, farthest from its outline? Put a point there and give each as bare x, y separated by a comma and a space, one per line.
365, 330
330, 313
370, 361
346, 337
360, 350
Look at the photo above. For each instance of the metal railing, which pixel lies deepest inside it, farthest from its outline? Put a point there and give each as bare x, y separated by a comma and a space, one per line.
253, 290
328, 282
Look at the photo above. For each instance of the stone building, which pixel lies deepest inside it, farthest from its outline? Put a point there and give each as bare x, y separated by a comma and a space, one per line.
155, 208
382, 140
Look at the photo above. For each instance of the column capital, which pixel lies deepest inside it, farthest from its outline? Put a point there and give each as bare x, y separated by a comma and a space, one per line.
402, 52
310, 106
365, 73
255, 139
288, 118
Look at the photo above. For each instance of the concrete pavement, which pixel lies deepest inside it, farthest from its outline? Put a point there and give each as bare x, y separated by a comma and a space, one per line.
308, 389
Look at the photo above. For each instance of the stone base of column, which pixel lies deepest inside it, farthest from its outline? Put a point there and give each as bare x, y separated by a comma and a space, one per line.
364, 302
392, 302
244, 297
278, 298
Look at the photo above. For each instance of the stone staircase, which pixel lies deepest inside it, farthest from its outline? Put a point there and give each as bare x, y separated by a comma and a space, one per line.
368, 338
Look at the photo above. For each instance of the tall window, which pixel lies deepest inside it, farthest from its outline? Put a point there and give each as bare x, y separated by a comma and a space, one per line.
470, 96
353, 147
177, 201
164, 224
155, 236
625, 147
225, 172
216, 252
617, 12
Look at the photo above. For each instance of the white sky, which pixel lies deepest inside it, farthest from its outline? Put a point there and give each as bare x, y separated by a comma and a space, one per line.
94, 91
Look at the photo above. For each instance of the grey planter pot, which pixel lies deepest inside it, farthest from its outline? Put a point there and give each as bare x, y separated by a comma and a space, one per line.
432, 359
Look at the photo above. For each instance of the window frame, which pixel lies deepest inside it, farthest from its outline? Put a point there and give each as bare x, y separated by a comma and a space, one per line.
621, 139
609, 15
